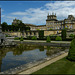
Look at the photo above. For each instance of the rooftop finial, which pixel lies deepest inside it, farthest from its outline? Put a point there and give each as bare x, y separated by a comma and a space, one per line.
48, 14
55, 14
52, 13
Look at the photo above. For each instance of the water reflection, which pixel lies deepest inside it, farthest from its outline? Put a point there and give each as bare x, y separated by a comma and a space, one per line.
41, 48
24, 53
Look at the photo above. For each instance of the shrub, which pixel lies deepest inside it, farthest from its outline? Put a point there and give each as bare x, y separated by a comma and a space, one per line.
29, 37
38, 29
71, 35
53, 37
63, 34
34, 38
16, 38
11, 30
50, 29
48, 39
21, 39
41, 34
58, 38
71, 54
65, 28
7, 36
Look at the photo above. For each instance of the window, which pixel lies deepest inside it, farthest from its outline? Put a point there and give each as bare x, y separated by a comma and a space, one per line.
26, 33
34, 33
30, 33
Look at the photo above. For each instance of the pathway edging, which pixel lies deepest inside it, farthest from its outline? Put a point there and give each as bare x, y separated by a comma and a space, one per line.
42, 65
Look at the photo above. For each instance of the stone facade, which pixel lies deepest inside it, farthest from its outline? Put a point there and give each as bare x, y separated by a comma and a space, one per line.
53, 26
51, 32
53, 23
32, 33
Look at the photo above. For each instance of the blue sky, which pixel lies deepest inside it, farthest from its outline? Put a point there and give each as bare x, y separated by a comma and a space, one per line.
35, 12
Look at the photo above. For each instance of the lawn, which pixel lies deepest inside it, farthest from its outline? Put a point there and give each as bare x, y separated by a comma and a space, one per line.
62, 66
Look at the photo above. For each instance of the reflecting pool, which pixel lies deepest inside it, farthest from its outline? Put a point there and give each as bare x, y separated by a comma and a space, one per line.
23, 54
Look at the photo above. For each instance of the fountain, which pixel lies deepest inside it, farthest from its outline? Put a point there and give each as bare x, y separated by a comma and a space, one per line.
3, 40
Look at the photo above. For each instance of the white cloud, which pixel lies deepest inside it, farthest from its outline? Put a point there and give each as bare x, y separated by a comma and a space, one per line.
19, 13
39, 15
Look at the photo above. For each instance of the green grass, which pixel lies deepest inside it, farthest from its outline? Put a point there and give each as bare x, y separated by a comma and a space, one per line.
62, 66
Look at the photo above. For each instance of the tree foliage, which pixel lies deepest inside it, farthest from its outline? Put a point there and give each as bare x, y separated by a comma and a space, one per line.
14, 27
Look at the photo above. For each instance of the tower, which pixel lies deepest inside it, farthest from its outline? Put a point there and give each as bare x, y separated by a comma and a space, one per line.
2, 37
0, 16
52, 17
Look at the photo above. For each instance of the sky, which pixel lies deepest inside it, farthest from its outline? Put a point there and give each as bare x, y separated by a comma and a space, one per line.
35, 12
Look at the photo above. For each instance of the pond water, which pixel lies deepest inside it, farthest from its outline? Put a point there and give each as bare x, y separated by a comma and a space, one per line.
23, 54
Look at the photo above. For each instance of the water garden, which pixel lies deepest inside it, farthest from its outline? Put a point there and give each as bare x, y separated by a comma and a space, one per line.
11, 57
25, 53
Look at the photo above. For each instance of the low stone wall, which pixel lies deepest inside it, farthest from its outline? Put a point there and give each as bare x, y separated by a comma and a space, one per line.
45, 44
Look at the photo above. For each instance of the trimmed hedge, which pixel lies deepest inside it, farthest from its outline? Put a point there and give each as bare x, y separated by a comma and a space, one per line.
16, 38
71, 54
58, 38
48, 39
21, 39
63, 34
34, 38
41, 34
7, 35
71, 35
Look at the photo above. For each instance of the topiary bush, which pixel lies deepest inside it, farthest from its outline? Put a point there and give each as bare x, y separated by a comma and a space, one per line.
41, 34
7, 35
71, 54
48, 39
71, 35
38, 29
21, 39
58, 38
63, 34
16, 38
34, 38
29, 37
50, 29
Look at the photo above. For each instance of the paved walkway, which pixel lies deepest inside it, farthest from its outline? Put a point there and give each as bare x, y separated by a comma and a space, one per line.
33, 69
45, 41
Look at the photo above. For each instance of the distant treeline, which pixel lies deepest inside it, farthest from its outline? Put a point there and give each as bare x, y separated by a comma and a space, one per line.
14, 27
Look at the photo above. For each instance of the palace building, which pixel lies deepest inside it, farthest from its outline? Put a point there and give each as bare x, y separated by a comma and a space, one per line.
53, 26
53, 23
